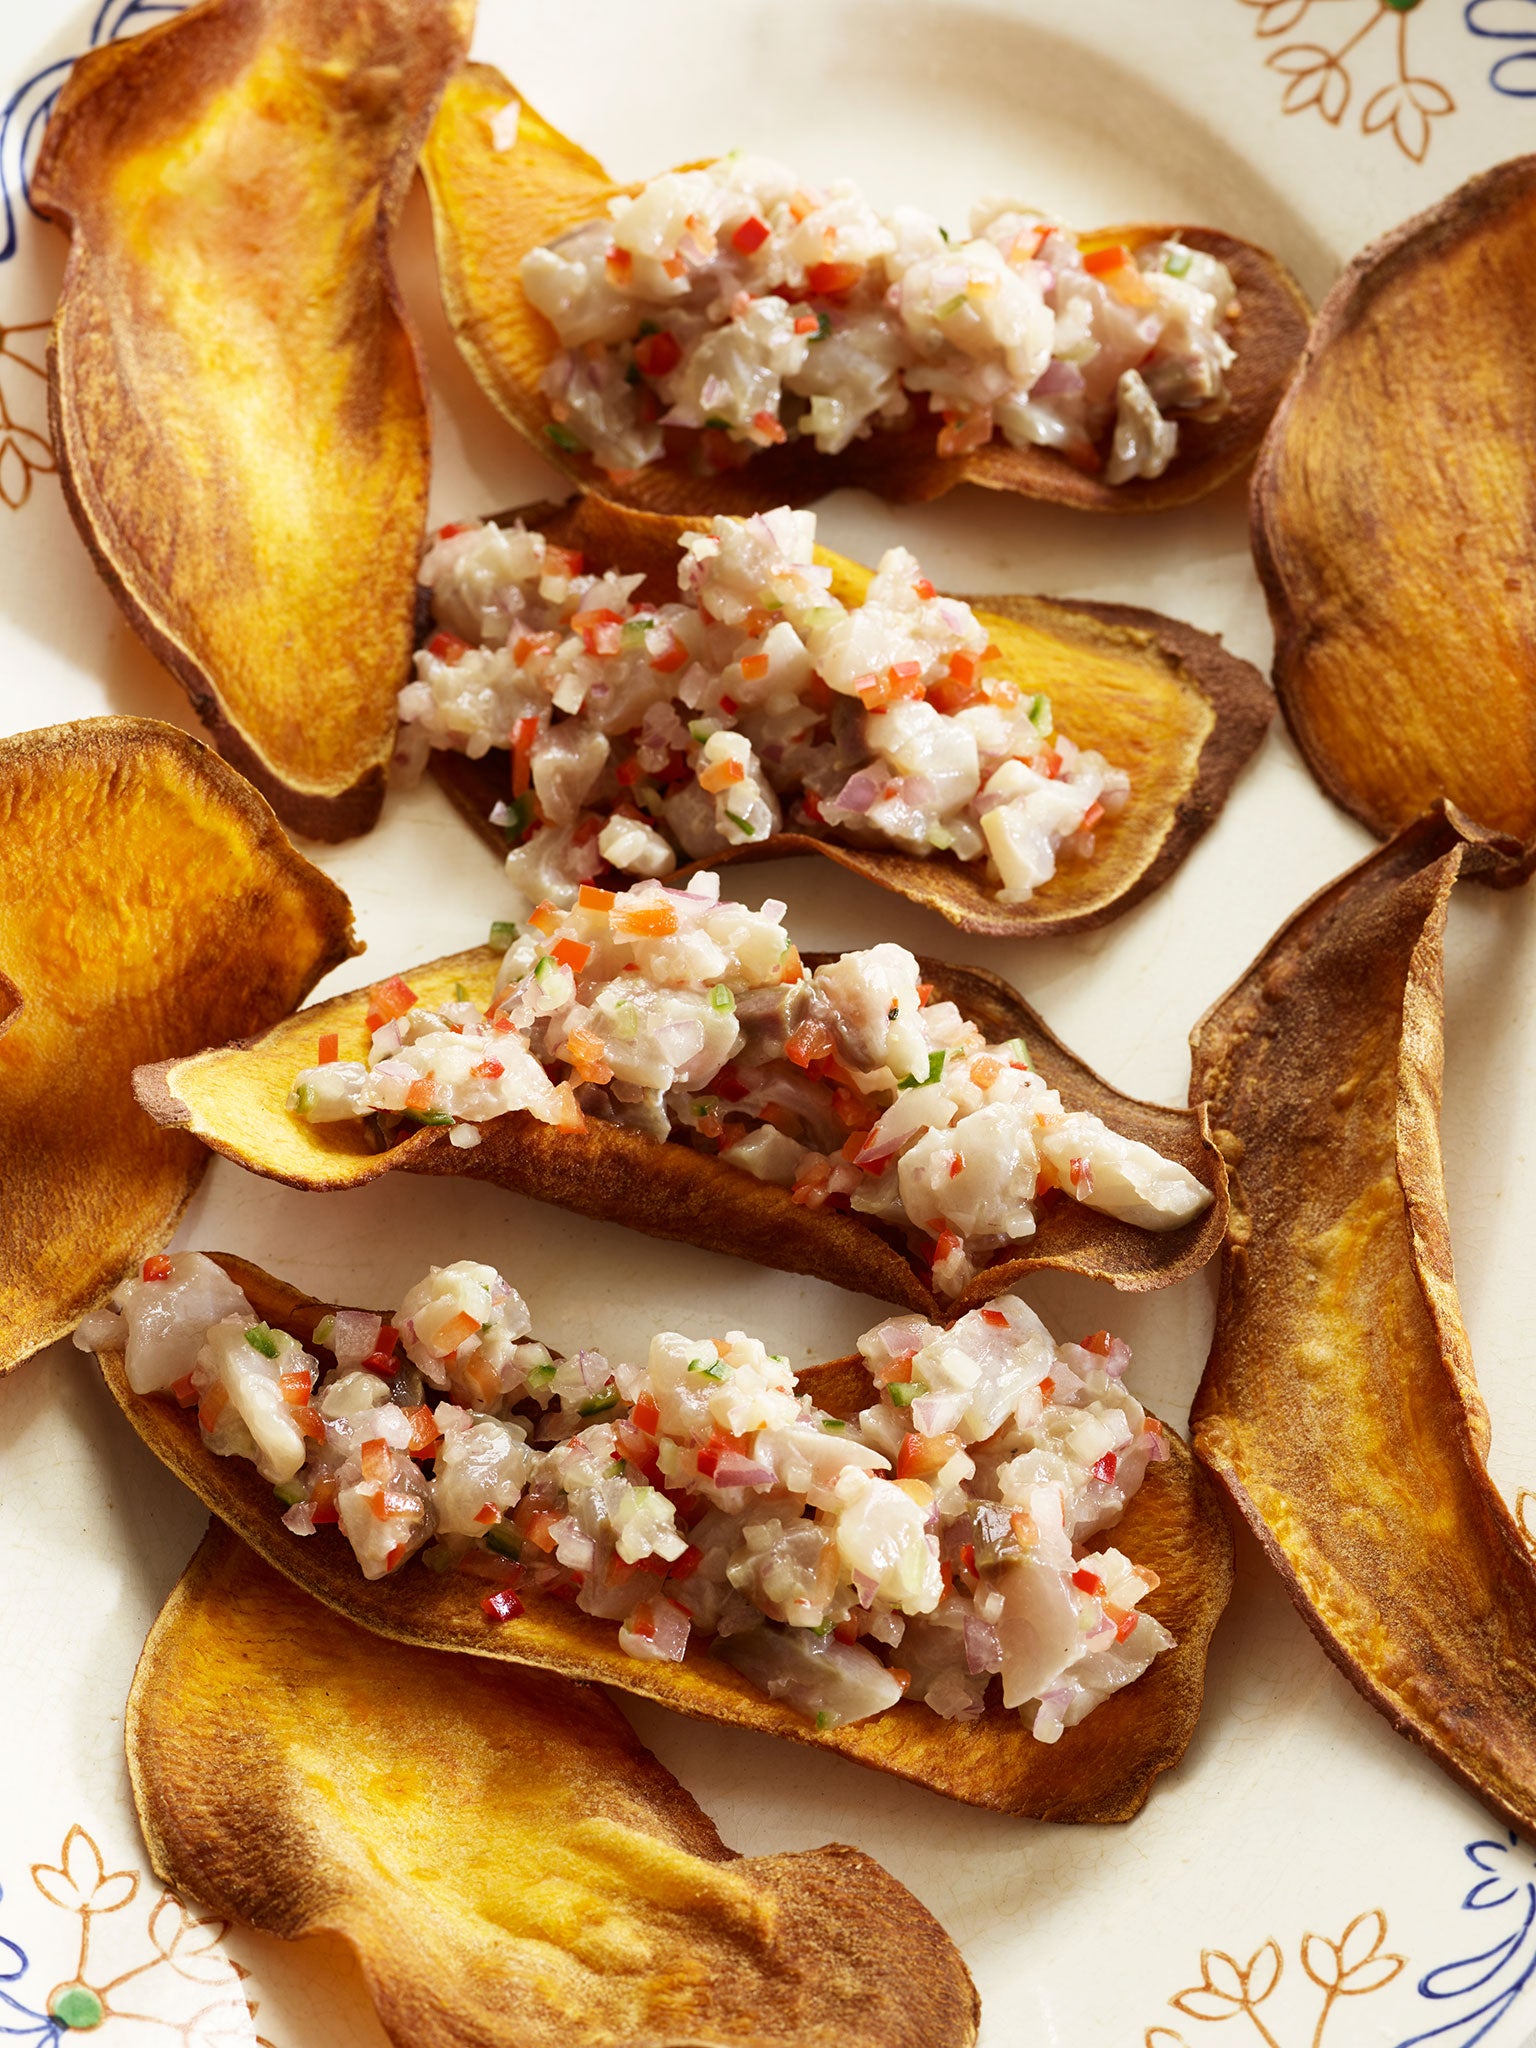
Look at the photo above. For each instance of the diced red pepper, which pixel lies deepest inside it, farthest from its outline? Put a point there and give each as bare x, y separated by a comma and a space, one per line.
448, 532
924, 588
809, 1042
751, 236
1100, 1341
1087, 1581
546, 919
646, 1415
448, 647
1125, 1623
829, 279
376, 1460
956, 1167
807, 323
503, 1605
644, 920
563, 561
156, 1267
310, 1425
1047, 1388
642, 1622
572, 953
488, 1070
330, 1047
671, 659
685, 1566
185, 1391
767, 424
419, 1096
656, 354
588, 898
1105, 1468
524, 733
392, 999
424, 1430
295, 1388
1100, 262
920, 1456
212, 1405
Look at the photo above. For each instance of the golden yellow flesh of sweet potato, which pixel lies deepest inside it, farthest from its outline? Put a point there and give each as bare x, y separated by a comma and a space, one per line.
1164, 702
492, 205
150, 901
510, 1866
1101, 1770
1339, 1407
240, 418
1393, 508
234, 1100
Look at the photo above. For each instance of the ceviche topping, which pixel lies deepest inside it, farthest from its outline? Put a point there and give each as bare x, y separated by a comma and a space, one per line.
683, 1017
645, 734
936, 1541
741, 307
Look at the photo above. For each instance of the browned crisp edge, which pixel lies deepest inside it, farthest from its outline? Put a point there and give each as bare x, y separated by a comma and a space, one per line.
846, 1933
904, 466
1377, 266
345, 813
1236, 692
110, 738
1442, 832
671, 1191
1085, 1777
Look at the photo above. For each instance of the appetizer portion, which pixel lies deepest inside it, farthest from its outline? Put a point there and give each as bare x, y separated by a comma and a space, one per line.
659, 1058
942, 1536
725, 338
547, 1901
1340, 1407
643, 733
735, 303
671, 692
711, 1531
672, 1014
1392, 513
149, 902
240, 417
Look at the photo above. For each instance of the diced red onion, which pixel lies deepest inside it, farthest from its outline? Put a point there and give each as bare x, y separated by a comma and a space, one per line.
573, 1546
866, 1588
859, 792
1158, 1451
917, 790
593, 1368
983, 1646
736, 1470
300, 1520
671, 1638
1057, 380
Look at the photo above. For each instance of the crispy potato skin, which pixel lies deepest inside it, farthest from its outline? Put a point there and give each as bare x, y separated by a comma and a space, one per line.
510, 1866
491, 207
150, 899
239, 413
1339, 1407
1102, 1770
233, 1099
1161, 700
1392, 510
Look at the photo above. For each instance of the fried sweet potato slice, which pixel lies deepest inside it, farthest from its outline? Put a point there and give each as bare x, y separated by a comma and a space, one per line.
233, 1099
149, 900
491, 206
1158, 698
239, 413
510, 1866
1101, 1770
1392, 514
1339, 1407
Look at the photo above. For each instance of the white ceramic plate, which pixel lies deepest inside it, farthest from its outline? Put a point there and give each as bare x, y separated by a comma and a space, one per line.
1303, 1873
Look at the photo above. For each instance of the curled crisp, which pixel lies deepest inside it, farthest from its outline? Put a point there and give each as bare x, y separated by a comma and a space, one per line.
235, 390
234, 1099
511, 1868
1099, 1770
1339, 1407
151, 901
1158, 699
503, 183
1392, 512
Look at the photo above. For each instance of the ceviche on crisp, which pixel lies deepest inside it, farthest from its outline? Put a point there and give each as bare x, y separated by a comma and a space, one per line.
744, 307
683, 1017
644, 735
939, 1538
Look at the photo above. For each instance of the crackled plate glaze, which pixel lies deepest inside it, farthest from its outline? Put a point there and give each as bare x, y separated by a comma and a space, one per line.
1303, 1873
